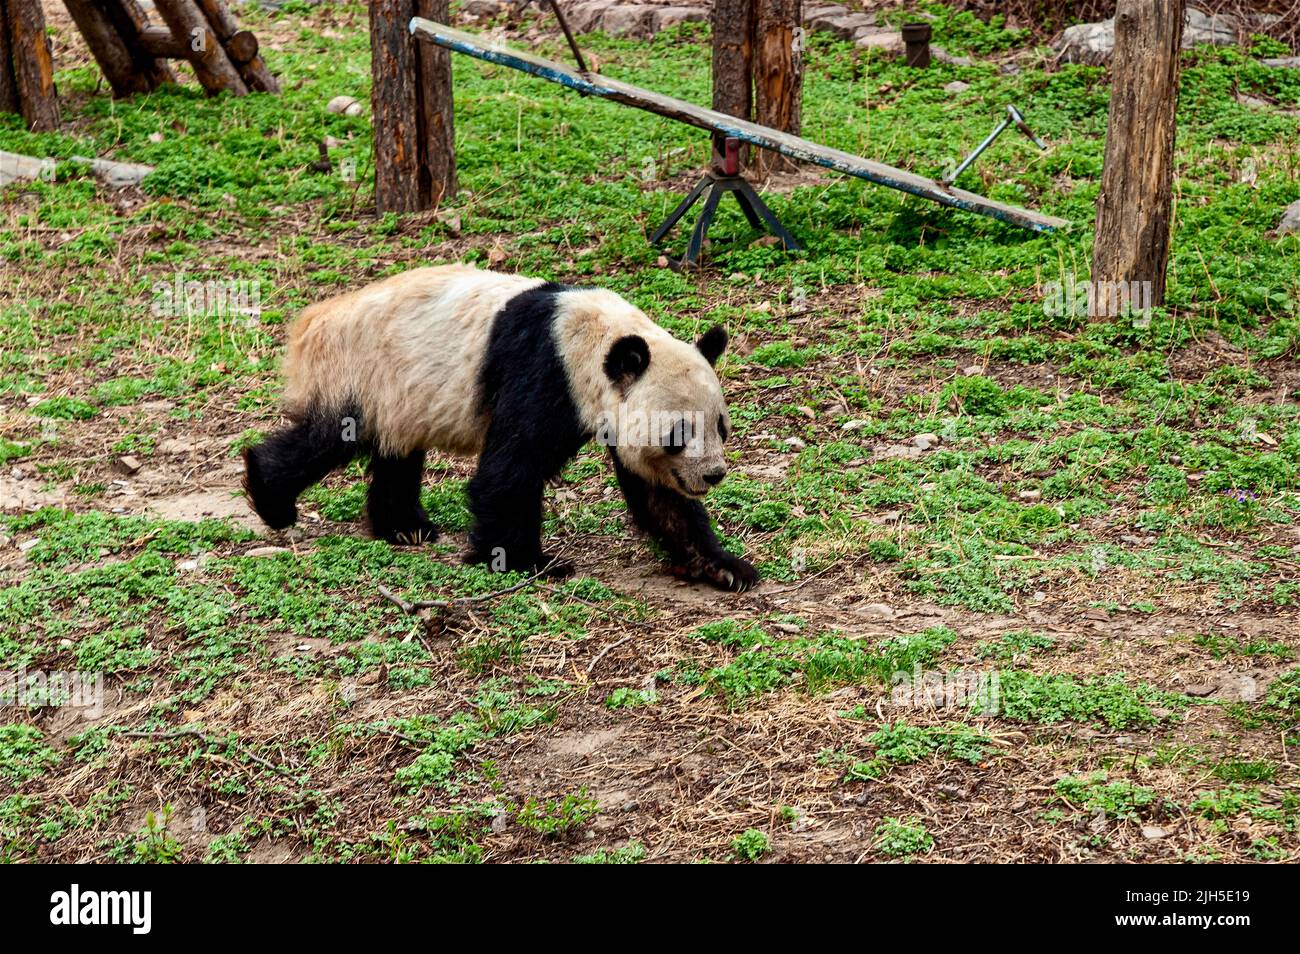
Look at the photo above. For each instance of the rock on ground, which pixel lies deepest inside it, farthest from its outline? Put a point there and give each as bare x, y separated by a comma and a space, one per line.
1093, 42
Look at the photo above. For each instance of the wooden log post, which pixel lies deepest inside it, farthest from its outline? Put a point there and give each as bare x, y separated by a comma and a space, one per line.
33, 65
411, 106
8, 83
733, 65
126, 70
778, 72
241, 46
205, 53
437, 113
1135, 204
158, 41
129, 18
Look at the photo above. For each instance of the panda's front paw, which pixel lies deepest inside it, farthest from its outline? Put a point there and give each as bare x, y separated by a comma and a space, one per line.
410, 529
726, 572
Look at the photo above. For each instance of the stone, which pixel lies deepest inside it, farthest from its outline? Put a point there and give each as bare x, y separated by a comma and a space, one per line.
627, 20
1094, 42
18, 168
876, 611
1283, 62
1152, 833
926, 441
174, 445
875, 38
664, 17
846, 25
585, 17
265, 551
344, 105
1218, 29
957, 86
821, 18
943, 56
128, 464
1290, 219
822, 11
483, 8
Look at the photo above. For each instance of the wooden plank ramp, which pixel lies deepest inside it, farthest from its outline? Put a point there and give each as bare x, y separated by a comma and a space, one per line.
795, 147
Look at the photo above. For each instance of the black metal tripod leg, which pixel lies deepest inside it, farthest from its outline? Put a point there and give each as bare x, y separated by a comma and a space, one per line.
747, 191
702, 227
750, 214
678, 212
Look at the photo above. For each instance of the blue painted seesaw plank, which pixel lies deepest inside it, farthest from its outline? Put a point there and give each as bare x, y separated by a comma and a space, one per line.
793, 146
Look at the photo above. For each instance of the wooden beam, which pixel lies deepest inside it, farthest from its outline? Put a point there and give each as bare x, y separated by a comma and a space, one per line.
109, 48
33, 65
796, 148
159, 42
203, 49
1134, 206
241, 46
128, 18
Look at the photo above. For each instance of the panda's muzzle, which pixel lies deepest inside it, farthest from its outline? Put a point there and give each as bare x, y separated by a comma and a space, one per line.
711, 479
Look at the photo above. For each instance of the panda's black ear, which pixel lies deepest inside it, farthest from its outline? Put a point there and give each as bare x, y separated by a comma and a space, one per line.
627, 360
712, 343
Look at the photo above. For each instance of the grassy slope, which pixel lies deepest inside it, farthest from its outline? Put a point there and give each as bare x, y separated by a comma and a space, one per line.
1108, 521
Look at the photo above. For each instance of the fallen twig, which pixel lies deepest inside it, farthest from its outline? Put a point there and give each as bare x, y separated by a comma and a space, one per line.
210, 740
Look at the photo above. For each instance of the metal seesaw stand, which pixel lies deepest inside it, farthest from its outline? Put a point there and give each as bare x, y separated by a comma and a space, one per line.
715, 184
729, 129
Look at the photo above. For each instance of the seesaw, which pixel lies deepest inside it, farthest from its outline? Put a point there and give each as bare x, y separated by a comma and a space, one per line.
727, 127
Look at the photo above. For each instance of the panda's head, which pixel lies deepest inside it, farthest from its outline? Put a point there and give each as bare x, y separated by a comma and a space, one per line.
672, 420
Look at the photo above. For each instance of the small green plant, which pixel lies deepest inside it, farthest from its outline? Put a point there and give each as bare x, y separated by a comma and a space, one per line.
1121, 800
557, 817
1008, 646
23, 753
750, 845
903, 838
625, 698
630, 854
903, 744
156, 846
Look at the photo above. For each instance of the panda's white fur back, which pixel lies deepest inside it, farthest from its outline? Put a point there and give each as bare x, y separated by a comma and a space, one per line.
410, 349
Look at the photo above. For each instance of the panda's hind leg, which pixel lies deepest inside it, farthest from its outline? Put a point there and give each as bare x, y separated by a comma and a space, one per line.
393, 504
293, 458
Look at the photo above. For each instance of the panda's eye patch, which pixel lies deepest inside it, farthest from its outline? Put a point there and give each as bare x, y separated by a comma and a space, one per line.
722, 428
677, 438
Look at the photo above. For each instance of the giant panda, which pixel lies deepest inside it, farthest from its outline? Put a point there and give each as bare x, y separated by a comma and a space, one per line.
520, 372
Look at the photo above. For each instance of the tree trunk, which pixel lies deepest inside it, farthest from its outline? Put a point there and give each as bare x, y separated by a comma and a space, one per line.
33, 65
410, 99
1134, 206
778, 73
8, 84
733, 64
434, 94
